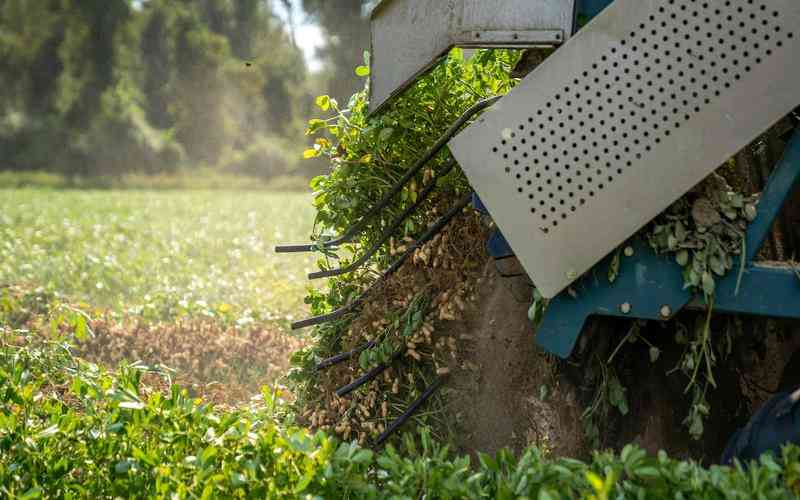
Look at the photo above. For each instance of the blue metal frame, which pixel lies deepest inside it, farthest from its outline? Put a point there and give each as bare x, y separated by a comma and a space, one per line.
650, 285
497, 246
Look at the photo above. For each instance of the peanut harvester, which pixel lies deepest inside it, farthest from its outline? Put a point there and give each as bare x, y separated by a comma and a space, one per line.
630, 112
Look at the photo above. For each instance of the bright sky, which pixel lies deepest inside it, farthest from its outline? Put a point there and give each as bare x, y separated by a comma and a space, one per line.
309, 36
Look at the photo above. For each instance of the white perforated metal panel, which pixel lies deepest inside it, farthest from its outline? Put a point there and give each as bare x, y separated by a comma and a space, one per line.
625, 118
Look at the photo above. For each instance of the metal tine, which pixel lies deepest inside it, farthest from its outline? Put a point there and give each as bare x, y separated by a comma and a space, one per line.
428, 156
367, 377
390, 230
409, 412
429, 234
335, 360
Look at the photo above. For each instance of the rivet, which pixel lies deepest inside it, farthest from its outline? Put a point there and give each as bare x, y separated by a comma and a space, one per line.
666, 311
629, 252
625, 308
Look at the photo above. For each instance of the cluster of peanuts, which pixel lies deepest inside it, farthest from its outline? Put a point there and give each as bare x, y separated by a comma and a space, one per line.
364, 415
434, 254
358, 419
451, 304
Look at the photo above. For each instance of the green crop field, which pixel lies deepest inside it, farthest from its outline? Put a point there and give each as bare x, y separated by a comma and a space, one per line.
159, 255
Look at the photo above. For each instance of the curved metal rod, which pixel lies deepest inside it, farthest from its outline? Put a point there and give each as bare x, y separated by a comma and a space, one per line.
433, 151
429, 234
368, 377
409, 412
335, 360
423, 195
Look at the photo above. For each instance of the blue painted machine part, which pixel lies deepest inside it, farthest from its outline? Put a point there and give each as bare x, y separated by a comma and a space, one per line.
649, 286
590, 8
477, 203
497, 246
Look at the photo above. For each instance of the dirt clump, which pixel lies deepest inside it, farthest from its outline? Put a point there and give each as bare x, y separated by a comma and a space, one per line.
505, 392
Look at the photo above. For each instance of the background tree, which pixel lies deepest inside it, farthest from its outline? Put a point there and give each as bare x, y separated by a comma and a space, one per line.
346, 25
111, 86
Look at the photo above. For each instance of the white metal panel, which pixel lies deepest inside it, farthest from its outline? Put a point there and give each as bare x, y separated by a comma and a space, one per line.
624, 119
409, 36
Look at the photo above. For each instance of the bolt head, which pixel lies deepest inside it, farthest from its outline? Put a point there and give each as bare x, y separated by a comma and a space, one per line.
625, 308
666, 311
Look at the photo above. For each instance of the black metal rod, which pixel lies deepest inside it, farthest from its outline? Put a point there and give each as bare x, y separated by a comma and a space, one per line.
367, 377
433, 151
429, 234
409, 412
335, 360
423, 195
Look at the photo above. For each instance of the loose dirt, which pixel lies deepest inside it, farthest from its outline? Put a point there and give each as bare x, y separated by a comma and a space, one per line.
504, 392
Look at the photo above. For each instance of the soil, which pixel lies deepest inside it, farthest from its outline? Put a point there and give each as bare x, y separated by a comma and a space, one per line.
504, 392
507, 393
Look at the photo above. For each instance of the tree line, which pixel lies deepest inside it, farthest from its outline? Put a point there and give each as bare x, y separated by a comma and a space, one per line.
101, 87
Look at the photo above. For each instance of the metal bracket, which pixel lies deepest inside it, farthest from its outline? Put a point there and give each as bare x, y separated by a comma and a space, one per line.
411, 36
508, 39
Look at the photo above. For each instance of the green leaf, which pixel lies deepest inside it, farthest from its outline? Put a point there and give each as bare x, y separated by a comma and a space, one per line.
385, 134
238, 479
209, 453
613, 269
323, 102
50, 431
680, 232
716, 264
682, 258
362, 71
123, 467
696, 429
672, 242
132, 405
35, 492
80, 327
315, 126
655, 353
709, 285
310, 153
363, 457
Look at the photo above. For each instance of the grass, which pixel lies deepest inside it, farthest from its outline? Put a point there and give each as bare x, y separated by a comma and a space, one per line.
198, 178
160, 255
186, 279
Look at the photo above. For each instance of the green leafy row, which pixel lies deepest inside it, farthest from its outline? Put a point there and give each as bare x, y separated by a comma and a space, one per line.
70, 429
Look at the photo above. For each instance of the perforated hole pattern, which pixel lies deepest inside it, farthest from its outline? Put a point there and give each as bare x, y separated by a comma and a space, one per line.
652, 82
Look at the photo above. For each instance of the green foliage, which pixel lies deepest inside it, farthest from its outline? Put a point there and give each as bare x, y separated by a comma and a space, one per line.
367, 156
159, 255
70, 429
112, 86
198, 178
705, 232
